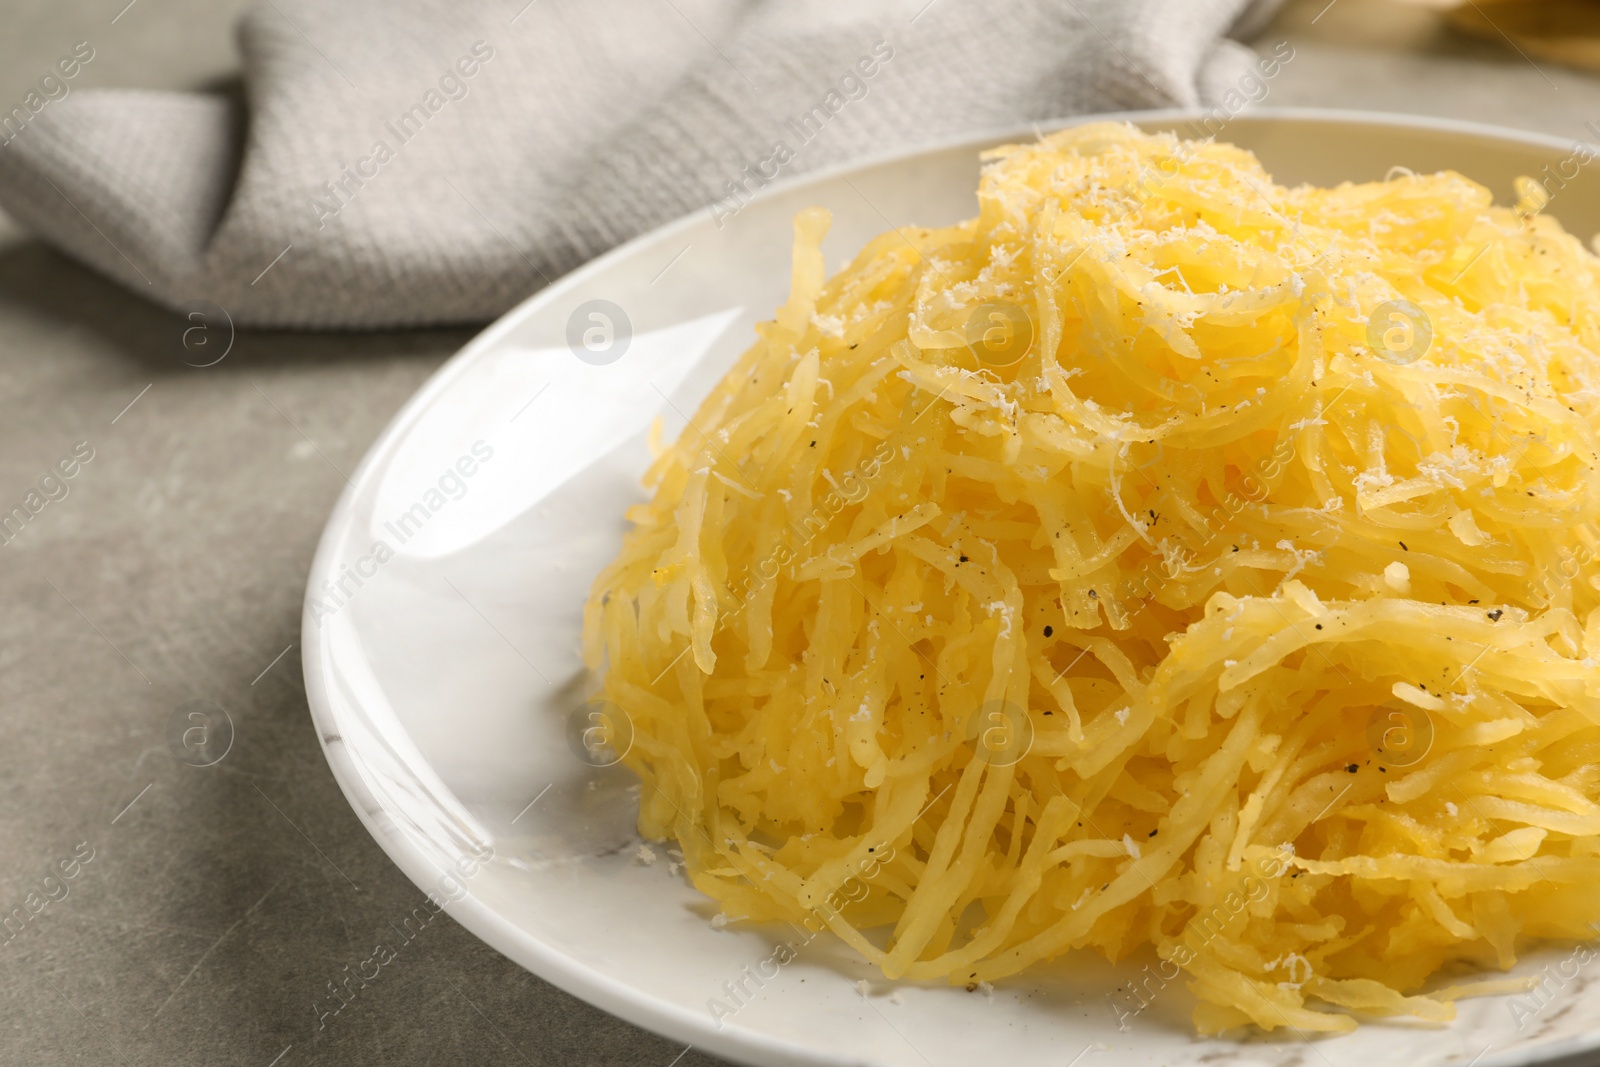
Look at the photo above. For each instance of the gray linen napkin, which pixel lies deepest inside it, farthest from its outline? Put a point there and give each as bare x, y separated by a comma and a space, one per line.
436, 160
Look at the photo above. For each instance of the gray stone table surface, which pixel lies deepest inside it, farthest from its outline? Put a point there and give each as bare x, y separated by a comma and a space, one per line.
218, 902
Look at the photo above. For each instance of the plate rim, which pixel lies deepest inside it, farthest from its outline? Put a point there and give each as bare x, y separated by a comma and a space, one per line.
552, 965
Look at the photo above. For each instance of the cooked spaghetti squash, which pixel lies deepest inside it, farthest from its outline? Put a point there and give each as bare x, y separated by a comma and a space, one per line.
1163, 558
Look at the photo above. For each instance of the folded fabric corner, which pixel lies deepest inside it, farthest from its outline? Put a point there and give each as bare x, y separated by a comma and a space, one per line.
434, 162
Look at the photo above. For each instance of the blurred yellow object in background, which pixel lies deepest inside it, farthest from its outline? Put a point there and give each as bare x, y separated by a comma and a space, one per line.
1562, 31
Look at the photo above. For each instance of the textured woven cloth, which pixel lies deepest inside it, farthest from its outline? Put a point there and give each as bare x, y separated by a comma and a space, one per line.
436, 160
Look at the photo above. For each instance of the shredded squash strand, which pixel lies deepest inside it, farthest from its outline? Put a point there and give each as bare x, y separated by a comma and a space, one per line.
1162, 558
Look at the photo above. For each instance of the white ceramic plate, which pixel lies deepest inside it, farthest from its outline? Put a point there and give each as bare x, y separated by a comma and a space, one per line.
442, 683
